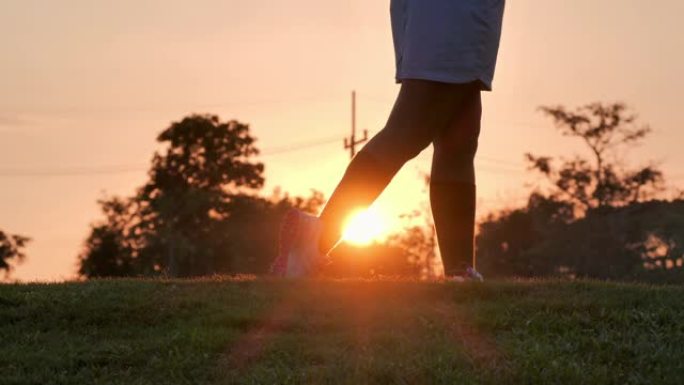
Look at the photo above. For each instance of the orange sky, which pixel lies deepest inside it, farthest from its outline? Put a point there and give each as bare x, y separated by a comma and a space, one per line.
89, 83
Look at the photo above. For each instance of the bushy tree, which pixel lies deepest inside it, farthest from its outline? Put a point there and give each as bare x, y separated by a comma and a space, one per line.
506, 241
642, 240
176, 223
111, 249
579, 225
245, 240
11, 250
418, 243
199, 213
252, 229
598, 180
205, 164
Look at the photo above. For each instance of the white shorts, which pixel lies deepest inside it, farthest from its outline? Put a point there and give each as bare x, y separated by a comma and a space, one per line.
450, 41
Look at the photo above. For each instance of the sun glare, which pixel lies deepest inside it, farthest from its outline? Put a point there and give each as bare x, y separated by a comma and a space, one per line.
364, 226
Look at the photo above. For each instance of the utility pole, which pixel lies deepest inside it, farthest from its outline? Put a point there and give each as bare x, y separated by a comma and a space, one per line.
351, 142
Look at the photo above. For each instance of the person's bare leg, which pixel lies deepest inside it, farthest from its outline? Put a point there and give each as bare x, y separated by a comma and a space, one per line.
422, 109
452, 187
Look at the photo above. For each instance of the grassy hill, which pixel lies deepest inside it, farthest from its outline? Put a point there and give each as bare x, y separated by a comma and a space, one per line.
264, 332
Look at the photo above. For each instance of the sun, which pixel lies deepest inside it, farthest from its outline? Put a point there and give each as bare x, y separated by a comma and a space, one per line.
363, 227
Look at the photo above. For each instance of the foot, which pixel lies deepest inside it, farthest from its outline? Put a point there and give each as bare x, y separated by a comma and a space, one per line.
470, 275
298, 254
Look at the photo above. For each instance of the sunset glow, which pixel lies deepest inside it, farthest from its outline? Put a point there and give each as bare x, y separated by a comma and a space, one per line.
76, 130
365, 226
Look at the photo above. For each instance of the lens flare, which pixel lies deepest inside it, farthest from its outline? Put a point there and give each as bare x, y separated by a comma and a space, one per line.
364, 226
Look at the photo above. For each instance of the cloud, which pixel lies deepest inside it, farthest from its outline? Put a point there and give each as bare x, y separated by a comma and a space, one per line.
12, 120
9, 123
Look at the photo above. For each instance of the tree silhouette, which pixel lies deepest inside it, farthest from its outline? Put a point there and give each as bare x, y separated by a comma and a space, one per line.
205, 164
598, 219
598, 181
418, 243
110, 249
507, 239
199, 212
176, 221
11, 250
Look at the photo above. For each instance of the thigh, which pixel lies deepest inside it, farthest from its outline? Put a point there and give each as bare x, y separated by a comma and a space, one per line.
455, 145
422, 110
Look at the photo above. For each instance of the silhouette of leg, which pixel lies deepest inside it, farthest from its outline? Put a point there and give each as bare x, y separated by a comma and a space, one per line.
452, 186
422, 109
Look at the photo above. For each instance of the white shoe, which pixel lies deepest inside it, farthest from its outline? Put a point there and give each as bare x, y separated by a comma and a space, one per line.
298, 246
470, 275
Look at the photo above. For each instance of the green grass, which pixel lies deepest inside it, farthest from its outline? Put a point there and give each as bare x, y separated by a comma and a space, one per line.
227, 331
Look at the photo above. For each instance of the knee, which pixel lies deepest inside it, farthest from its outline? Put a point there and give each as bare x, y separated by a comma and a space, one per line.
459, 143
462, 149
454, 163
455, 157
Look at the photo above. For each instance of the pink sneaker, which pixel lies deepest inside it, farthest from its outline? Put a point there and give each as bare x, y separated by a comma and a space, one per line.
298, 254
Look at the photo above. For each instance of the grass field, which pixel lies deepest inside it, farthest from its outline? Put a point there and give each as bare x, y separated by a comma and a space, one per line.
224, 331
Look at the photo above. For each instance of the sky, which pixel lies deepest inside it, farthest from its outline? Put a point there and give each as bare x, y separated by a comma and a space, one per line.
85, 85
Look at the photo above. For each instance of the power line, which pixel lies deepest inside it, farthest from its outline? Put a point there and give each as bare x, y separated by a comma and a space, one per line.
498, 166
499, 161
299, 146
492, 170
123, 169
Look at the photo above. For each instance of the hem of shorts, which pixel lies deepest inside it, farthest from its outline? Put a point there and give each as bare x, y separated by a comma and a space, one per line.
484, 86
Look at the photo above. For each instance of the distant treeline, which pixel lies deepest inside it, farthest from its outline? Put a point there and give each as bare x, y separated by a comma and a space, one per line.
592, 217
201, 212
